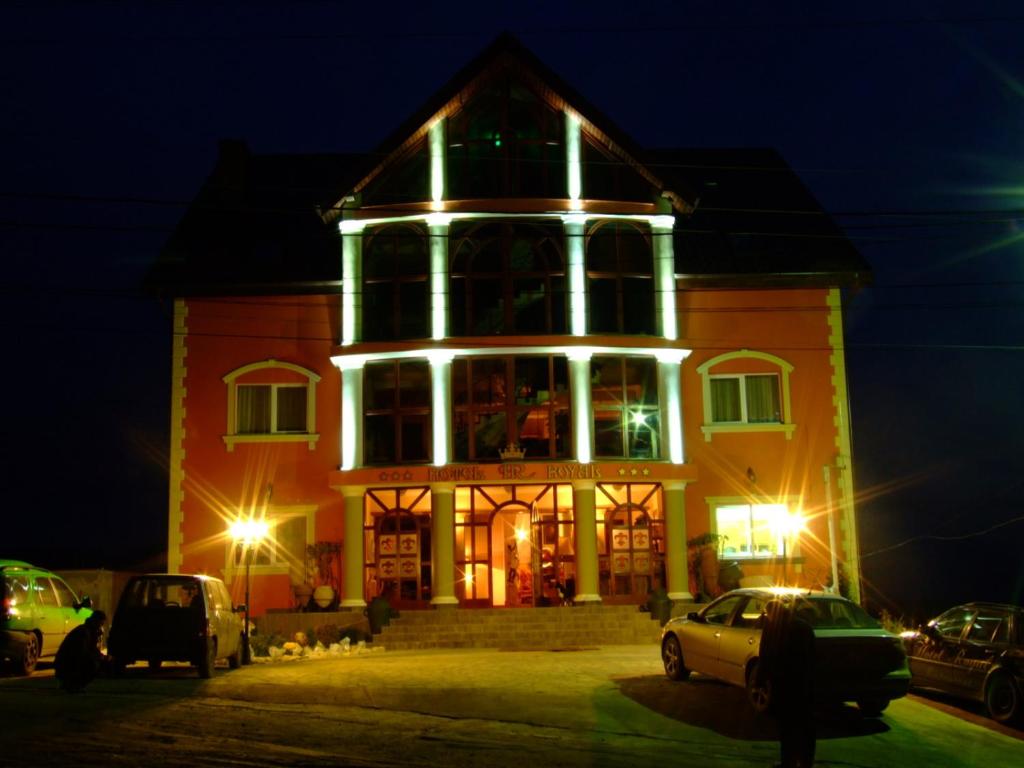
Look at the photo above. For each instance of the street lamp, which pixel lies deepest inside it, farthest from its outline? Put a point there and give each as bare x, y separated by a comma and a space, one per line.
249, 533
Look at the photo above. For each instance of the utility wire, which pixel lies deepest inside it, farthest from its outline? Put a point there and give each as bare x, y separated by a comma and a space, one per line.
934, 537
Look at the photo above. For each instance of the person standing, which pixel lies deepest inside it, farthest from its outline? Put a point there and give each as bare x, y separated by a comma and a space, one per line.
786, 665
79, 658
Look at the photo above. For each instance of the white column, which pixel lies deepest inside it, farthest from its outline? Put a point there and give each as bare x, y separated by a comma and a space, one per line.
351, 281
354, 550
441, 406
582, 416
677, 572
438, 157
574, 177
665, 277
352, 417
584, 502
438, 224
442, 539
670, 396
574, 227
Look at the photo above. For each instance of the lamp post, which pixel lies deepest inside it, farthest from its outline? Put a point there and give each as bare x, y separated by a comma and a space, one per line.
249, 533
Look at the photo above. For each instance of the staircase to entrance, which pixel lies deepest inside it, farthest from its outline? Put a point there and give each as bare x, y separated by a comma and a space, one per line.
520, 628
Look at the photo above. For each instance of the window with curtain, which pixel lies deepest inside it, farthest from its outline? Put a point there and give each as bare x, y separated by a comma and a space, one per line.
746, 399
266, 409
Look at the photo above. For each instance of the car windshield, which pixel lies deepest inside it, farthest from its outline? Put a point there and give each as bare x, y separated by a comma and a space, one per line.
834, 613
161, 591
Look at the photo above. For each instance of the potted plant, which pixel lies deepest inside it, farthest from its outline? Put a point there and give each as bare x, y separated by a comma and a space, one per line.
704, 563
323, 554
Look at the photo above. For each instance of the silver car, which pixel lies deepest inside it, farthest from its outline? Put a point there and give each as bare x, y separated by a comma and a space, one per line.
855, 658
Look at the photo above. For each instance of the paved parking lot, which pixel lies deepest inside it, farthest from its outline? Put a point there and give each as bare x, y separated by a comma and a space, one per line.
610, 707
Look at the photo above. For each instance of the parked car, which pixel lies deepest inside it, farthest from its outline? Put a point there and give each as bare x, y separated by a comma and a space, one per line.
176, 617
38, 611
975, 651
855, 658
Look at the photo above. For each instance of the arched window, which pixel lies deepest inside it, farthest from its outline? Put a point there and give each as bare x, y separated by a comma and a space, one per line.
506, 142
746, 391
271, 401
507, 279
620, 279
396, 296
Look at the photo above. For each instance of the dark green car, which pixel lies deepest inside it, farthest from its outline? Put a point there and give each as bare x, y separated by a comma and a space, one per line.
38, 611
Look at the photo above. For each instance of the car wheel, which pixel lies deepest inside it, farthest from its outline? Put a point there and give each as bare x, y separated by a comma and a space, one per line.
759, 695
30, 657
235, 659
872, 707
1002, 699
672, 658
209, 658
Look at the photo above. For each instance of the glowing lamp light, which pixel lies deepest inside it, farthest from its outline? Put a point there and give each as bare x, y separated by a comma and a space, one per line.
469, 578
521, 534
249, 531
639, 419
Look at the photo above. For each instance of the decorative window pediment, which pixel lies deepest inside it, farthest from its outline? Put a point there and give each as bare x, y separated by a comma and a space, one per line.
271, 401
746, 391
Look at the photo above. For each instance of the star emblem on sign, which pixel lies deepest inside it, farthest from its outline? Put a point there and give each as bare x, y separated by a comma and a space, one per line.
632, 472
622, 472
646, 472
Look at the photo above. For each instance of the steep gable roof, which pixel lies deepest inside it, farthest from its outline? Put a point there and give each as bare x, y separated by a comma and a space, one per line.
506, 52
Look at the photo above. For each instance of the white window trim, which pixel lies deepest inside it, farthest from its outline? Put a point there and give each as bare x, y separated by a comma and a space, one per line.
310, 436
278, 566
714, 502
710, 428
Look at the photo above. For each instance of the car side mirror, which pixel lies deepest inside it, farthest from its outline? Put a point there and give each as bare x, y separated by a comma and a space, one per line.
694, 616
240, 608
85, 602
929, 631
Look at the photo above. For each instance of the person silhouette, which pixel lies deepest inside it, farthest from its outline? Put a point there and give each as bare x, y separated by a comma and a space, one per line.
786, 665
79, 658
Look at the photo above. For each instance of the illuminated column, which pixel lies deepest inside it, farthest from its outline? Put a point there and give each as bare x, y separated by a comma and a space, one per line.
671, 398
351, 281
585, 522
665, 277
438, 224
677, 572
582, 418
442, 538
438, 156
574, 225
354, 555
441, 405
574, 179
351, 414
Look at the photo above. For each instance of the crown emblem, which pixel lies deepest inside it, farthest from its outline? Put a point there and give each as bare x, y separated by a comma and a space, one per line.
511, 452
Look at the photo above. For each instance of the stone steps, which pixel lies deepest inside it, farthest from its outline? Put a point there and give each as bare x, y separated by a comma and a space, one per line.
525, 628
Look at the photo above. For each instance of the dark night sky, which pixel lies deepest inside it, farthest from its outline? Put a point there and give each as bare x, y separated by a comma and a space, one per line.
906, 122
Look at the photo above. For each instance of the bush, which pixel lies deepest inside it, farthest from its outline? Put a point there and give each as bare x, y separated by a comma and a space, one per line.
355, 635
328, 634
261, 643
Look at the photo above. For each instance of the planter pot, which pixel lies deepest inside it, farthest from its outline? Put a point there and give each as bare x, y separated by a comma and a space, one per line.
303, 592
323, 595
709, 571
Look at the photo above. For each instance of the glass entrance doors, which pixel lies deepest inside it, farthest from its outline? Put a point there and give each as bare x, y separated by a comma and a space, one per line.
514, 545
398, 546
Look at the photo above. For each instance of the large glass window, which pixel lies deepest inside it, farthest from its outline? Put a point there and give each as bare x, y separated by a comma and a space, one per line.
746, 399
620, 279
630, 540
503, 401
754, 530
506, 279
396, 297
606, 177
624, 395
396, 404
406, 180
506, 142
